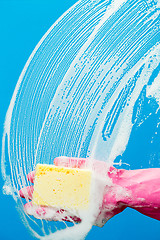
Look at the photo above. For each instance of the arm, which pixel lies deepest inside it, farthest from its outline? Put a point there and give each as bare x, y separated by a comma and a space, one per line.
138, 189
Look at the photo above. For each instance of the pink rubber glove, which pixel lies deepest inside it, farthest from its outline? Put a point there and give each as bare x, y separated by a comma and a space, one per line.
143, 188
138, 189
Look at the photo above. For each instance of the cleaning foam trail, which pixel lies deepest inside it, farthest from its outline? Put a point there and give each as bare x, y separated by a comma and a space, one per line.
77, 93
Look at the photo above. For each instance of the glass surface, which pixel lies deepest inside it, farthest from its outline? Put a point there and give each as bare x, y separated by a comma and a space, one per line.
89, 89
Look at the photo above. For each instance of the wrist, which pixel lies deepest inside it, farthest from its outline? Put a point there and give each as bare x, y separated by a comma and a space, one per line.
141, 187
119, 192
113, 197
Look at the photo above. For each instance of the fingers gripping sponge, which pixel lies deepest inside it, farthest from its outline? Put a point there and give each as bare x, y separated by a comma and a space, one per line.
67, 188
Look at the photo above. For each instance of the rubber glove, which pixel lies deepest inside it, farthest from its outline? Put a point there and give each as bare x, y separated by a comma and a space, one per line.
138, 189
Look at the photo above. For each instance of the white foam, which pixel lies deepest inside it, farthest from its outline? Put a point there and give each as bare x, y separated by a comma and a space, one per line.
84, 108
153, 91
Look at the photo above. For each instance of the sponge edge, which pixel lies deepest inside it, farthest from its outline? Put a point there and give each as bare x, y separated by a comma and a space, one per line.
62, 187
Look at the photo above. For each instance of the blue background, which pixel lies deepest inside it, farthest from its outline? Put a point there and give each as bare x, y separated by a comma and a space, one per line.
22, 24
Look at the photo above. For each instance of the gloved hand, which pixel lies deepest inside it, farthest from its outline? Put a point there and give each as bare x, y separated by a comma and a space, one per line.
138, 189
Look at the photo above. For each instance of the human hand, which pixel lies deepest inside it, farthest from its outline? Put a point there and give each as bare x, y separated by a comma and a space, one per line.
44, 212
111, 204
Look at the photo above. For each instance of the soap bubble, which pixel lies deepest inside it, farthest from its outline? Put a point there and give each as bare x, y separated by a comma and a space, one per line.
89, 89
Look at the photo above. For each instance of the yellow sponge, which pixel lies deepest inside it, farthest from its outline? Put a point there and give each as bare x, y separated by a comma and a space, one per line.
62, 187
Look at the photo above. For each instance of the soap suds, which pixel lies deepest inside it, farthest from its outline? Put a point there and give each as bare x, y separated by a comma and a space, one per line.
153, 90
76, 95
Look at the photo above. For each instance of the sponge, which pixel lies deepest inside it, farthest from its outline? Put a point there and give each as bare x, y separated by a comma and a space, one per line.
62, 187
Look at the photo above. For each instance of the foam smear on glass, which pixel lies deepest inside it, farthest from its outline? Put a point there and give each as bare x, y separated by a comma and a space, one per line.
77, 94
